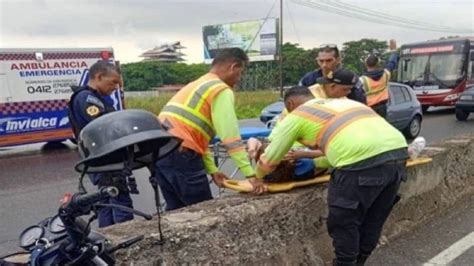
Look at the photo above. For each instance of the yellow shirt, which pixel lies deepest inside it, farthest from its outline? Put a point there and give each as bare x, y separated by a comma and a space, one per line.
318, 91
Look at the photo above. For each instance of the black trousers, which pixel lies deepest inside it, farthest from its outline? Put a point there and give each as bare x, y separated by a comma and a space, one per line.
182, 179
359, 203
381, 109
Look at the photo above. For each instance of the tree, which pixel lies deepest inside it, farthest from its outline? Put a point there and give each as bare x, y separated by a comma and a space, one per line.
355, 52
143, 76
258, 75
296, 62
263, 75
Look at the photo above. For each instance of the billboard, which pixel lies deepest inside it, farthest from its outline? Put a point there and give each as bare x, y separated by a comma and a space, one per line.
258, 38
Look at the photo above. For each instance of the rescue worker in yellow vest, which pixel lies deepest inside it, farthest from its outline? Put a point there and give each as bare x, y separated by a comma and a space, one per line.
375, 80
326, 88
330, 87
368, 158
200, 111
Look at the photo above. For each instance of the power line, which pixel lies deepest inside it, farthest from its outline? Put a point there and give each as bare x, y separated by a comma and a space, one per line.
344, 11
383, 18
261, 26
347, 12
355, 15
355, 8
293, 22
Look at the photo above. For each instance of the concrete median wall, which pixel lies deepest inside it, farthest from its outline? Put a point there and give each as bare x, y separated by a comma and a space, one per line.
289, 228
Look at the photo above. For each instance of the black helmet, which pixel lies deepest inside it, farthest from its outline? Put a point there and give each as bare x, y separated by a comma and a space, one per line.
106, 143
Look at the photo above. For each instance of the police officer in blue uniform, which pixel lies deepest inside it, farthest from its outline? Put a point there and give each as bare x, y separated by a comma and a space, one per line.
86, 104
329, 60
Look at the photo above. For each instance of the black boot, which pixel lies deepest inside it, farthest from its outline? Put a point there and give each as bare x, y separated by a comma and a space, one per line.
336, 262
361, 260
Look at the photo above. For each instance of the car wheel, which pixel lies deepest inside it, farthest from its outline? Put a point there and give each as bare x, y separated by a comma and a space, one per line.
461, 115
424, 108
413, 128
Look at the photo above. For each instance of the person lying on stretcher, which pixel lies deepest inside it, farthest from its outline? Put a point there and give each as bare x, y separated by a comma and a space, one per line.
297, 165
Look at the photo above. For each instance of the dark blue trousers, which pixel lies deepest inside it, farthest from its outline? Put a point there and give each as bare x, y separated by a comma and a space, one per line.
359, 203
109, 216
182, 179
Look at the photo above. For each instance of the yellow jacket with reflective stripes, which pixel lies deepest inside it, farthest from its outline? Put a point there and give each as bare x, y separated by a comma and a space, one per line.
376, 90
318, 92
347, 132
193, 113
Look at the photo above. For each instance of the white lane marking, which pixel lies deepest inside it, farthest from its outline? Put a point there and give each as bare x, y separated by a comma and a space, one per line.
452, 252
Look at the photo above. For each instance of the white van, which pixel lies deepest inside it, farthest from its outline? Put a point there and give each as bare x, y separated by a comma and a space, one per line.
35, 86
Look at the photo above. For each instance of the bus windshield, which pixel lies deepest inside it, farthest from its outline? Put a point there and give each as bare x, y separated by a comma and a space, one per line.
442, 70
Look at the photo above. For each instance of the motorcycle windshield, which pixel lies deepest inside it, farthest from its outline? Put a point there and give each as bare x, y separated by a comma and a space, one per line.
441, 71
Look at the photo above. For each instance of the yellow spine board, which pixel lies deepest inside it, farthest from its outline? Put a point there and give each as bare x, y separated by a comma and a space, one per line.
245, 186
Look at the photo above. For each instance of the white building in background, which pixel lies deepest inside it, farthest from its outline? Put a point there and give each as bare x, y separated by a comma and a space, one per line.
165, 53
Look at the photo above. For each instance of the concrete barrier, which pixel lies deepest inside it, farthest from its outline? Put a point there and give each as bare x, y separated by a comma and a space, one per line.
289, 228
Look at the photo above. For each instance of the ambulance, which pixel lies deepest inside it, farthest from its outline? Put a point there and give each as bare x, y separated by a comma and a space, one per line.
35, 87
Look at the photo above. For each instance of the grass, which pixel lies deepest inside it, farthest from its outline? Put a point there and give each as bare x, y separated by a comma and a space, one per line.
249, 104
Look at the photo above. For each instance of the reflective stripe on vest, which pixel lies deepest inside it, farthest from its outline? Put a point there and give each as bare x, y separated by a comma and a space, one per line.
317, 113
233, 145
332, 121
191, 107
200, 93
180, 111
339, 122
376, 90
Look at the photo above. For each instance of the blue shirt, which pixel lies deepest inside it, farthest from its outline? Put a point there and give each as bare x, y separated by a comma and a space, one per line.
88, 104
357, 92
390, 66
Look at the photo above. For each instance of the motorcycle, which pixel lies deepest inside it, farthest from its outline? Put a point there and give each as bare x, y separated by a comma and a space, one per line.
67, 238
118, 141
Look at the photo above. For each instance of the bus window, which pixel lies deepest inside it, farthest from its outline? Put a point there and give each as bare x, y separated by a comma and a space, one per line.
439, 69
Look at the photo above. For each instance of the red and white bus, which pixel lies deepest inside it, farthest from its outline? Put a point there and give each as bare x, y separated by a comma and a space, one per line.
438, 70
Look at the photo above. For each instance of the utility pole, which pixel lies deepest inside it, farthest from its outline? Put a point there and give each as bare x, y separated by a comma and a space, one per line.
280, 54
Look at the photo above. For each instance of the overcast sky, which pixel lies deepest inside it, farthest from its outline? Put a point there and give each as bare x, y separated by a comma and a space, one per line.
133, 26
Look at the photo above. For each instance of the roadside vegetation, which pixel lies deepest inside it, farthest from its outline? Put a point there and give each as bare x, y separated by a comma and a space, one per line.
260, 75
257, 86
249, 104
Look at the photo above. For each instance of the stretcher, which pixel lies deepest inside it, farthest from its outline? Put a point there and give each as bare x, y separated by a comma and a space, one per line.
245, 186
249, 132
220, 153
